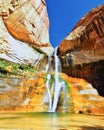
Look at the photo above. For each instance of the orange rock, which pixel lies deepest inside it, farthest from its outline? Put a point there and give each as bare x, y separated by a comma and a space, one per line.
84, 98
24, 27
82, 51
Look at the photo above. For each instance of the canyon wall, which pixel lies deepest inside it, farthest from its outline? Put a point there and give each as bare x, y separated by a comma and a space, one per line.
82, 51
24, 36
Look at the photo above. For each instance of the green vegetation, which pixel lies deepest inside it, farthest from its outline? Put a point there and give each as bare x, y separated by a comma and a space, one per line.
7, 67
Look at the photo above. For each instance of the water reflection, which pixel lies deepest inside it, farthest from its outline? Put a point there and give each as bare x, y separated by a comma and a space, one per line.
55, 121
52, 121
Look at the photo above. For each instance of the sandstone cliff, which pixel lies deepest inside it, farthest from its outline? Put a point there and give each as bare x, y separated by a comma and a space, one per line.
82, 51
24, 36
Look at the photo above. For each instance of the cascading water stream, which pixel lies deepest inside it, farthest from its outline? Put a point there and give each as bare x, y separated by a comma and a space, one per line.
48, 82
53, 88
57, 84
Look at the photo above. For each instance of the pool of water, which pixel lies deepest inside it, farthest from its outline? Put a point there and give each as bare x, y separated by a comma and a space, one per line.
50, 121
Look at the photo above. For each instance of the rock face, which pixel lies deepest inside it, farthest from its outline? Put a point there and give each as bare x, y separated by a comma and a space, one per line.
24, 46
83, 97
82, 51
22, 94
19, 94
27, 95
24, 36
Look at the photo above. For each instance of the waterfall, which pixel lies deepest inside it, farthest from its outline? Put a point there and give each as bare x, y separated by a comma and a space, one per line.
48, 97
48, 78
53, 89
57, 84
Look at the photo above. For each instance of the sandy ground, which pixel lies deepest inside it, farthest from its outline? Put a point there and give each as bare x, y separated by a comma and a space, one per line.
50, 121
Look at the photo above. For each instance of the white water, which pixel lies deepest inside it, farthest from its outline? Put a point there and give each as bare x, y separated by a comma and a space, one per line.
48, 91
56, 86
48, 82
48, 96
57, 83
